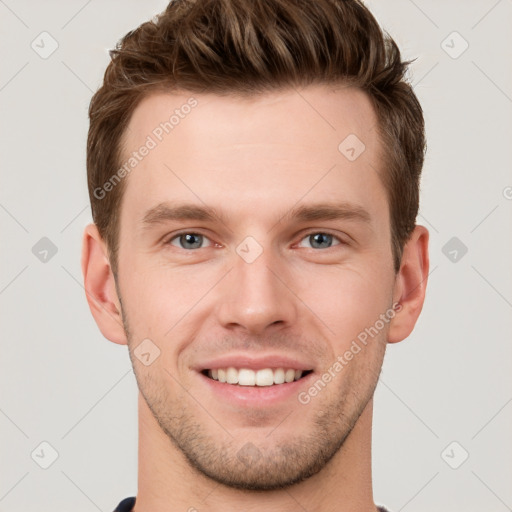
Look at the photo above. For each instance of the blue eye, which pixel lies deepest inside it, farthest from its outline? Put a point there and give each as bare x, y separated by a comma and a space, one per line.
188, 241
192, 241
321, 240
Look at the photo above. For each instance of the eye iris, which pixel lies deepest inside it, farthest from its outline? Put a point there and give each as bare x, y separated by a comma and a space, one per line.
192, 239
320, 240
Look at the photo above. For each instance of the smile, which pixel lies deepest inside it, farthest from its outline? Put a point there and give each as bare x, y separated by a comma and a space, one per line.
261, 377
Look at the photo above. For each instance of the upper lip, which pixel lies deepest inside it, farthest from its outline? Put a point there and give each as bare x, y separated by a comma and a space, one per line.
254, 362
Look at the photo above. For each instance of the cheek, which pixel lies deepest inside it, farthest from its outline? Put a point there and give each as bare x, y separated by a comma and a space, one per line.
145, 299
153, 310
346, 302
159, 299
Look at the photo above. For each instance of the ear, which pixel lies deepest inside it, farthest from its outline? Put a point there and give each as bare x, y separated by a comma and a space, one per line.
410, 285
100, 286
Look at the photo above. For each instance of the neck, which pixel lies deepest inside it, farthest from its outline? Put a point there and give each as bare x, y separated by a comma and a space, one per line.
167, 482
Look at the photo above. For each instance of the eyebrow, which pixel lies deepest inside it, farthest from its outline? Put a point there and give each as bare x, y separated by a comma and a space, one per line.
329, 211
164, 212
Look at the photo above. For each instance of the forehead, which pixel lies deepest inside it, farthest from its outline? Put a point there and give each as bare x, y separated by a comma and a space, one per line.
324, 109
269, 149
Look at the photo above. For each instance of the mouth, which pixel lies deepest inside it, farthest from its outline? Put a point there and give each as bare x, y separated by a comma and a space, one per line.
263, 377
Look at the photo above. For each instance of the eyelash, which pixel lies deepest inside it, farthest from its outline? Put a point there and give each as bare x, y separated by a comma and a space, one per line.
306, 235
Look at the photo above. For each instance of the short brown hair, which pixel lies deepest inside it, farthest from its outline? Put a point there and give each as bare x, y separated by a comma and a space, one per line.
248, 47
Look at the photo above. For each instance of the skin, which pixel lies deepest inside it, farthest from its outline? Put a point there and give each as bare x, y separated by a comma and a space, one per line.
254, 160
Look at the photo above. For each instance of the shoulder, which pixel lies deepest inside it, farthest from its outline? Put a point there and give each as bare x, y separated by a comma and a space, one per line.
127, 505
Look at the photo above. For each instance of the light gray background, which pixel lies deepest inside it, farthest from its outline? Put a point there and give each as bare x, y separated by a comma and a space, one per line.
63, 384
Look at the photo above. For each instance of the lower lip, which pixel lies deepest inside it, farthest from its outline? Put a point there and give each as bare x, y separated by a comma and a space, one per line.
256, 396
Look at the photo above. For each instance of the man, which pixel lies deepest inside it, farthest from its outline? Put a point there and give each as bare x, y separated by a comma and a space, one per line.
253, 168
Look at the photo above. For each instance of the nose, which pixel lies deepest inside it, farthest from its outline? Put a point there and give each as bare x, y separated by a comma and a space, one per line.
255, 296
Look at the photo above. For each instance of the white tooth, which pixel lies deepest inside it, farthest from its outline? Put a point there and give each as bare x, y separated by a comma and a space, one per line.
232, 375
265, 377
246, 377
289, 375
279, 376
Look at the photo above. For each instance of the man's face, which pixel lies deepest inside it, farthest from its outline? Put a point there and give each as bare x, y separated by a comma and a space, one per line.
293, 264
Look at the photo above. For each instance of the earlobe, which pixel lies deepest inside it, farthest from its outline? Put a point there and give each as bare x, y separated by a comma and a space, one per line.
100, 286
410, 285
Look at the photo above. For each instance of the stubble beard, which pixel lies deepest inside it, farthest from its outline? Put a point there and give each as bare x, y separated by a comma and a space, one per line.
284, 459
